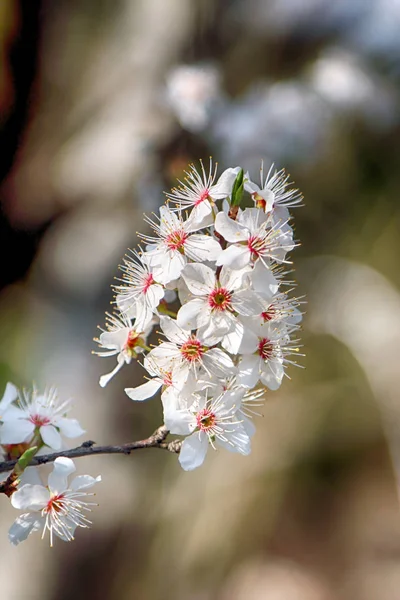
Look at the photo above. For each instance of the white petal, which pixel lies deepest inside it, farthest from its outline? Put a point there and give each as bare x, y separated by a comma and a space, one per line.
69, 427
51, 436
200, 217
232, 279
200, 279
200, 248
30, 497
154, 294
10, 394
272, 374
23, 526
172, 330
144, 391
83, 482
104, 379
223, 188
253, 218
16, 431
188, 313
58, 478
114, 339
178, 421
247, 303
168, 220
231, 230
218, 363
264, 281
193, 451
248, 371
233, 340
170, 266
235, 257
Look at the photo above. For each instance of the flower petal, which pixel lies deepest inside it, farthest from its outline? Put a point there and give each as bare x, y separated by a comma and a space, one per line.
200, 279
58, 478
193, 451
235, 257
51, 436
83, 482
144, 391
69, 427
231, 230
16, 431
23, 526
187, 316
30, 497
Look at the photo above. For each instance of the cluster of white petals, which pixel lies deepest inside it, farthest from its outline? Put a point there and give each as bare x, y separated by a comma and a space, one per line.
210, 275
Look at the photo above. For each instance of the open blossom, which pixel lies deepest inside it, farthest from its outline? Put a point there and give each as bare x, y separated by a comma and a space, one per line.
265, 351
140, 293
123, 338
186, 355
252, 237
43, 414
209, 422
58, 508
274, 193
168, 253
200, 192
218, 300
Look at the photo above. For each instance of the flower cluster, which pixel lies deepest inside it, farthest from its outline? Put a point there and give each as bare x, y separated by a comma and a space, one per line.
211, 276
38, 422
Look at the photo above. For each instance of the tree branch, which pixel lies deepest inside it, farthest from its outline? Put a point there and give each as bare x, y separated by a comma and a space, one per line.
156, 440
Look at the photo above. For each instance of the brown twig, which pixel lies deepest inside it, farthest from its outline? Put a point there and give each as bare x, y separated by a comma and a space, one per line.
156, 440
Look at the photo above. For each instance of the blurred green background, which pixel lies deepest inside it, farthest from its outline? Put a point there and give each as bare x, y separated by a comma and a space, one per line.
102, 105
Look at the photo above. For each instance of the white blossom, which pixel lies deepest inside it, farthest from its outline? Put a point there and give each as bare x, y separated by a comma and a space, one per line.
209, 422
176, 243
58, 508
41, 414
123, 338
218, 300
200, 192
251, 237
140, 293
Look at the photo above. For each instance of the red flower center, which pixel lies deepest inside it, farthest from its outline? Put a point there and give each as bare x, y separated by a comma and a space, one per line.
205, 419
176, 240
255, 245
220, 299
148, 281
203, 196
55, 504
192, 350
39, 420
269, 314
265, 348
167, 379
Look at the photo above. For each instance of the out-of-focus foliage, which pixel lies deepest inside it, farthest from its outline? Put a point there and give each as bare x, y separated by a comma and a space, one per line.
103, 104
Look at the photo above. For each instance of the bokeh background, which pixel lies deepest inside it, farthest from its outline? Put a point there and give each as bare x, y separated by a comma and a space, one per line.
102, 105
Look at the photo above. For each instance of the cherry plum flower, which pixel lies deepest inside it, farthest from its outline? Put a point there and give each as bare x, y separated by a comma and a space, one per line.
200, 192
176, 243
251, 237
43, 414
58, 508
209, 422
122, 338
